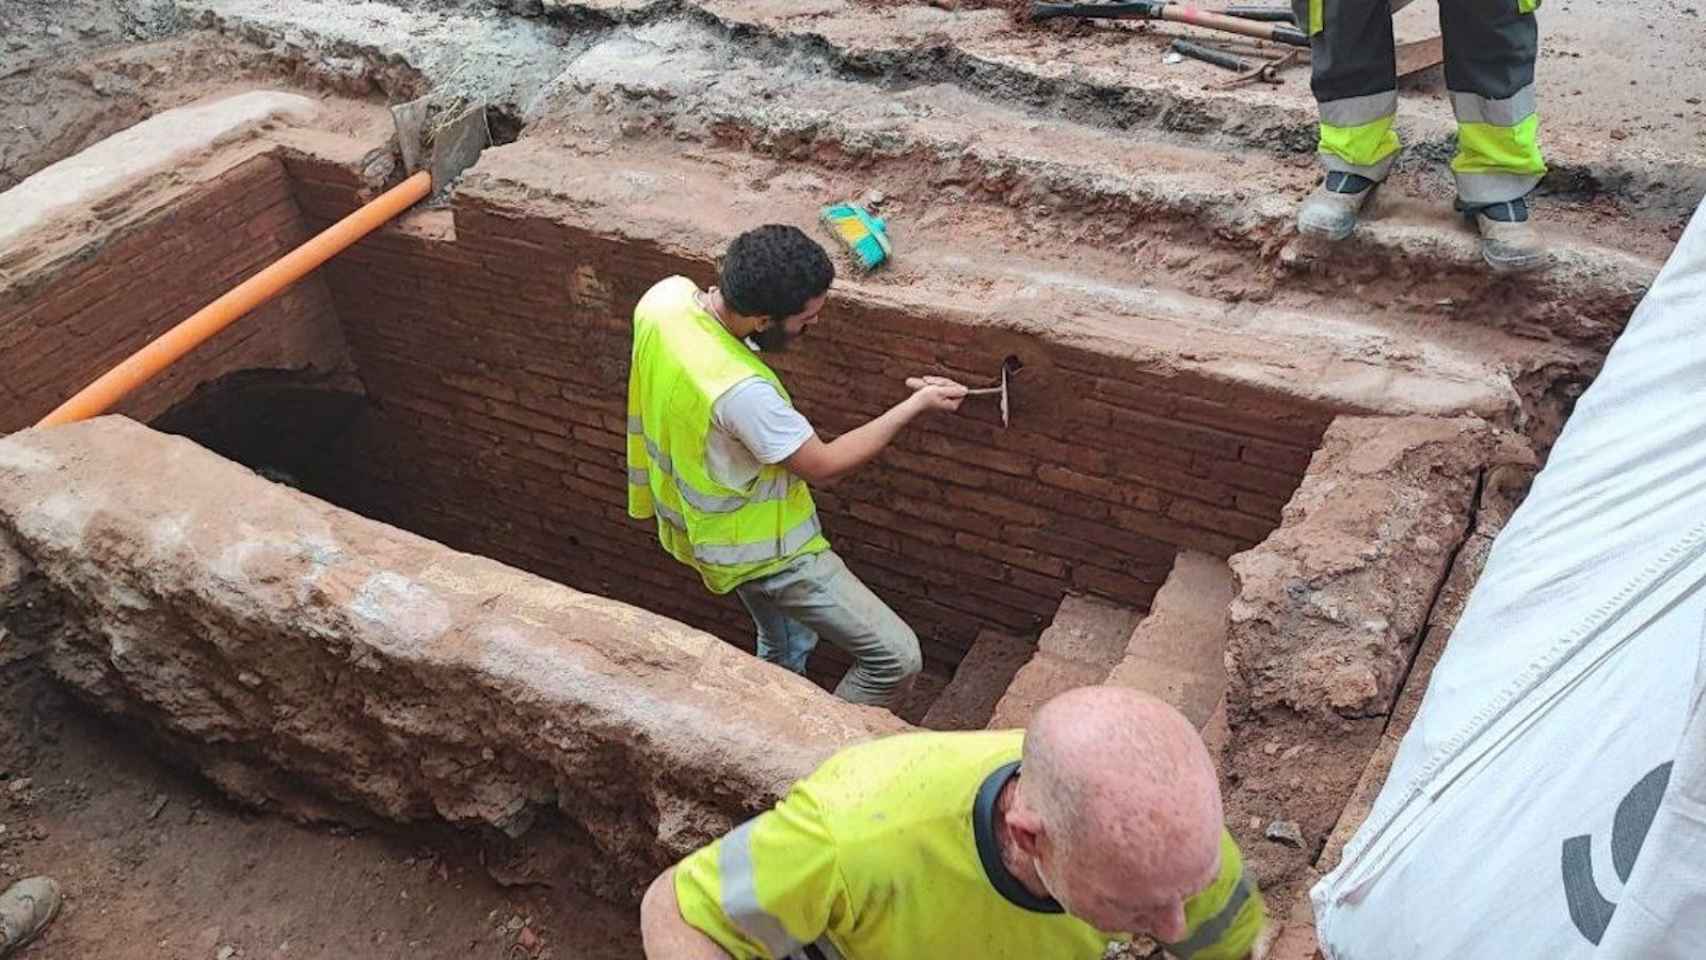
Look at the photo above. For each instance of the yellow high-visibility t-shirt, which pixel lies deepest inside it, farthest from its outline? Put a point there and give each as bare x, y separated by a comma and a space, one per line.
888, 852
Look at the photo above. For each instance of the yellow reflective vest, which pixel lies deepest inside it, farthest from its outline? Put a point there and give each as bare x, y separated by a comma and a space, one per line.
683, 360
888, 852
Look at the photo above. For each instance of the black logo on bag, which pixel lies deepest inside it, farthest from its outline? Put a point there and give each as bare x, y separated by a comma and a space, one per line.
1590, 910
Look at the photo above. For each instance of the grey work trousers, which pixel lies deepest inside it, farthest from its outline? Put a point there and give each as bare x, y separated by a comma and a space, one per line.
817, 596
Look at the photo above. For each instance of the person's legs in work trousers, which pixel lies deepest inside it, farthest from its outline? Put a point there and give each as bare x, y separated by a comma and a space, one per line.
1490, 46
817, 596
1355, 81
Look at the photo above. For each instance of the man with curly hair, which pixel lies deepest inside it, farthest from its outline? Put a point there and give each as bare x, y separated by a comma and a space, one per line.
718, 454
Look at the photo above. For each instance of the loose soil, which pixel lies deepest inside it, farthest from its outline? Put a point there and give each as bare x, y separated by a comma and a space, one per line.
158, 866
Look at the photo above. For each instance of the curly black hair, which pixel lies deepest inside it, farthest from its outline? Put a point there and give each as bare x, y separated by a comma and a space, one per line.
773, 271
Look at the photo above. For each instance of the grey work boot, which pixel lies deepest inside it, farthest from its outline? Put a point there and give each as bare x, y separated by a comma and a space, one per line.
26, 909
1509, 242
1331, 211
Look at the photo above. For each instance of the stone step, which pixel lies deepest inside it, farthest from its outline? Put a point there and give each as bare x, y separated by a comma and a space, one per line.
1178, 652
1086, 640
982, 678
915, 704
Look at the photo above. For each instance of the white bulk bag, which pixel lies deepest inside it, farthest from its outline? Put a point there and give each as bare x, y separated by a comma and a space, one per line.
1550, 799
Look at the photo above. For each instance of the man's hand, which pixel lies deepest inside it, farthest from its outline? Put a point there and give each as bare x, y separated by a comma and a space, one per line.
933, 394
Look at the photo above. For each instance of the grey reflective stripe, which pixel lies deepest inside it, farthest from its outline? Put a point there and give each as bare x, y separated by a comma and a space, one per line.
1512, 110
735, 554
1494, 187
658, 456
635, 424
639, 477
775, 489
1378, 171
729, 555
1210, 932
675, 519
1356, 111
706, 502
740, 895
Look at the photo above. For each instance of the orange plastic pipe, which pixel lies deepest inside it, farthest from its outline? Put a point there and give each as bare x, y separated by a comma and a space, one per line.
164, 350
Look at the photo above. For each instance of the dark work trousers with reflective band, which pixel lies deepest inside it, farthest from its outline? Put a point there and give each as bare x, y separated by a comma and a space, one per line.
1490, 46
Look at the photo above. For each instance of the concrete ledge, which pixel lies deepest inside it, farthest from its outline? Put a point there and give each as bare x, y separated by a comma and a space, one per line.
308, 660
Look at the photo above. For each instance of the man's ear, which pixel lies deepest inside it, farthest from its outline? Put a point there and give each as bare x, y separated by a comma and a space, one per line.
1026, 829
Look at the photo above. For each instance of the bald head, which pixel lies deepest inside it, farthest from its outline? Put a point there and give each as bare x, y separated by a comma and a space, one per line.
1120, 798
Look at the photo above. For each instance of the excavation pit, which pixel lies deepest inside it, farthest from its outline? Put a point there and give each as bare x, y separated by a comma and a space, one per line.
461, 375
492, 341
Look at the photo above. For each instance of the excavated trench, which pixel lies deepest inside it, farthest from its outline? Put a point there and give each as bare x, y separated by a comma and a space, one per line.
494, 423
461, 374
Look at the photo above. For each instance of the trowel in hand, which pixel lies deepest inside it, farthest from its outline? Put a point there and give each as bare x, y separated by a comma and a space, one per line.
999, 390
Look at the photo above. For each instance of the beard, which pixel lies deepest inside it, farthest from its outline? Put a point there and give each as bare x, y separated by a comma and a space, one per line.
774, 338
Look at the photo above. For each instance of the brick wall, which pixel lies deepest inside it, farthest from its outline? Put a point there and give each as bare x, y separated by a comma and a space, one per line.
495, 348
65, 324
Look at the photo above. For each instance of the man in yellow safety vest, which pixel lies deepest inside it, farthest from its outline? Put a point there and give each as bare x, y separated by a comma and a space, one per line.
718, 454
1102, 820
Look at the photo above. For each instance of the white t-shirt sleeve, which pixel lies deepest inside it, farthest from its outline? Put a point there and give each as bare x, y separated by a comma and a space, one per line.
753, 412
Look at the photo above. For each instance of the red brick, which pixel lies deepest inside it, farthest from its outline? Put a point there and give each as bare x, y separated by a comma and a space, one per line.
1048, 451
1152, 396
1004, 462
1035, 583
1001, 508
1255, 479
904, 574
906, 349
1174, 433
1286, 426
1114, 586
1171, 531
1026, 490
1274, 456
936, 468
604, 439
1090, 541
955, 560
987, 610
1012, 595
559, 445
1255, 504
890, 479
947, 515
889, 520
1109, 491
1230, 522
1017, 556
